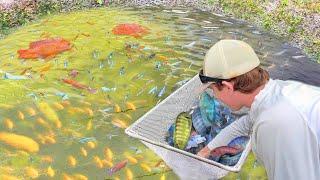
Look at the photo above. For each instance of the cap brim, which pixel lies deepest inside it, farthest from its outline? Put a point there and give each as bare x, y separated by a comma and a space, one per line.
203, 87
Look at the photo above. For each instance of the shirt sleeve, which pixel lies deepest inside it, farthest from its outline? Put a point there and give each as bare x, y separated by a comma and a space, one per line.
240, 127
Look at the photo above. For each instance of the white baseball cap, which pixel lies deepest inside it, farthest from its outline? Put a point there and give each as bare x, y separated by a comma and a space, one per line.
227, 59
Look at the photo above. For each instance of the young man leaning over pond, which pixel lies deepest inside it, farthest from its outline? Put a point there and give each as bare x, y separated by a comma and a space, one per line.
284, 116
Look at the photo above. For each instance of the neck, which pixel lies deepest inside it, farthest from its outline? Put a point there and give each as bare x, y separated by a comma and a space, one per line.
249, 98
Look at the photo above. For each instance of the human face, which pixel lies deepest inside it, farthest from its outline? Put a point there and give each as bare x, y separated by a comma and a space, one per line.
227, 95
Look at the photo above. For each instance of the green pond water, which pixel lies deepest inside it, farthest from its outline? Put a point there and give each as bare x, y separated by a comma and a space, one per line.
124, 70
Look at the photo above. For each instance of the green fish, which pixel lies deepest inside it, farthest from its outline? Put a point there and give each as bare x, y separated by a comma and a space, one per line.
182, 130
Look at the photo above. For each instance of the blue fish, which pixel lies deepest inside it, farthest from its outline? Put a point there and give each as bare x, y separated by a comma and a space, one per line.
162, 91
65, 64
33, 95
95, 54
14, 77
190, 45
87, 139
230, 160
153, 90
63, 95
121, 71
240, 142
106, 89
108, 109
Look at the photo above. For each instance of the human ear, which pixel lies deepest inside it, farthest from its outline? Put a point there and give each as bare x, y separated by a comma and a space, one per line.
228, 85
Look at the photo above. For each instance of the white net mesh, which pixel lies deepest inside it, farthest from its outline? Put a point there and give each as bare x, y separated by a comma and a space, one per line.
152, 128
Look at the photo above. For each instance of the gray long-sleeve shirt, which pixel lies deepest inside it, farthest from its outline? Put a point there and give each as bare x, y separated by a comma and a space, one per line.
284, 124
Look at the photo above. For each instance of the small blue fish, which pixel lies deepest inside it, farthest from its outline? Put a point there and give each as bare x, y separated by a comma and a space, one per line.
122, 71
146, 48
95, 54
109, 109
106, 89
101, 65
33, 95
65, 64
140, 92
63, 95
162, 91
157, 65
110, 56
14, 77
87, 139
176, 63
153, 90
182, 82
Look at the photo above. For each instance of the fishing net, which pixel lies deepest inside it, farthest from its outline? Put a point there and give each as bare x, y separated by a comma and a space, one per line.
152, 128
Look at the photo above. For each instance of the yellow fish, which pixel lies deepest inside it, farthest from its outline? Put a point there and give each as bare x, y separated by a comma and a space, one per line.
89, 111
44, 68
8, 177
47, 158
98, 161
89, 125
145, 167
80, 177
119, 123
163, 177
108, 154
71, 161
58, 106
66, 177
50, 172
31, 111
83, 152
49, 113
106, 163
20, 115
31, 172
129, 174
131, 159
116, 108
131, 106
8, 123
91, 144
49, 139
19, 142
42, 122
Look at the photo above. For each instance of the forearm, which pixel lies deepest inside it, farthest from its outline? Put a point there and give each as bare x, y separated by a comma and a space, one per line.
240, 127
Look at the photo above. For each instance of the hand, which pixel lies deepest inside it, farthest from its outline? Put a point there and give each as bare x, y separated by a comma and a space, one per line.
205, 152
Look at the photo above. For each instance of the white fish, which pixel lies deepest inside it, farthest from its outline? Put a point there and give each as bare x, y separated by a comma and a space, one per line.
162, 91
190, 45
210, 27
179, 11
188, 19
220, 15
298, 57
280, 53
224, 21
14, 77
208, 22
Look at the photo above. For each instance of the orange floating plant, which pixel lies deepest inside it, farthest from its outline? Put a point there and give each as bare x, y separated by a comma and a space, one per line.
47, 48
130, 29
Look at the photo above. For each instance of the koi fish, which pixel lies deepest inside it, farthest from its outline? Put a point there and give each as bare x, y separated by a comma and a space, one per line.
216, 153
130, 29
79, 85
45, 48
117, 167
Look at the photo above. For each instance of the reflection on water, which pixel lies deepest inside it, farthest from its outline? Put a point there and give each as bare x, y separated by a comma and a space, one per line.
58, 129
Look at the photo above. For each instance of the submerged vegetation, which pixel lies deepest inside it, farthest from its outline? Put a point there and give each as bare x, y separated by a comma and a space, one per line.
297, 20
